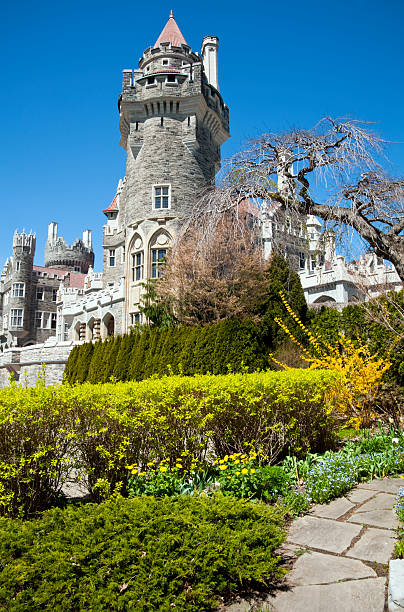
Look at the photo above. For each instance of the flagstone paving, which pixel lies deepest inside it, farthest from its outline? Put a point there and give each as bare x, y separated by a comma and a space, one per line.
341, 552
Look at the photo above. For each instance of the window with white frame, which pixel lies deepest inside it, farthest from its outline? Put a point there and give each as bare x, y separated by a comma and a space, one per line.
123, 255
137, 266
16, 317
45, 320
54, 295
166, 62
111, 258
39, 293
158, 256
313, 262
302, 260
18, 290
161, 196
135, 318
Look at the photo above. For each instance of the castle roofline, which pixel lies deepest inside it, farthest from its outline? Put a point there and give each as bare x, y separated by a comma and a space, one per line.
171, 34
113, 207
50, 270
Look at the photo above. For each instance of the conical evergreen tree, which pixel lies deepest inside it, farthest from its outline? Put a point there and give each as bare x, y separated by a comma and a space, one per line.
281, 278
110, 358
69, 374
138, 355
239, 345
93, 375
122, 359
84, 361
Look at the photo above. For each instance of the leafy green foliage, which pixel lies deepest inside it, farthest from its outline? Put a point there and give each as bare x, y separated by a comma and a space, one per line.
334, 473
143, 554
281, 278
399, 507
107, 427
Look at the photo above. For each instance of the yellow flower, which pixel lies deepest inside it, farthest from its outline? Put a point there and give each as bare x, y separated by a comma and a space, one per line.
222, 467
244, 471
150, 463
252, 471
178, 465
163, 468
237, 473
237, 462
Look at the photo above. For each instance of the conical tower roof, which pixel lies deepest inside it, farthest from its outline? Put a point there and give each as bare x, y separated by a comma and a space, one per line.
171, 33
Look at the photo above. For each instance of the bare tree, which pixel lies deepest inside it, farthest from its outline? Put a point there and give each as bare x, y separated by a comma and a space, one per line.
342, 156
213, 273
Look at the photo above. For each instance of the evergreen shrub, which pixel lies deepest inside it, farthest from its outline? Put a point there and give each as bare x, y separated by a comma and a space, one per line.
106, 427
139, 554
230, 345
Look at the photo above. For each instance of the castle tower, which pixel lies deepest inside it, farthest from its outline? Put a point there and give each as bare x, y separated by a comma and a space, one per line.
173, 122
77, 257
18, 308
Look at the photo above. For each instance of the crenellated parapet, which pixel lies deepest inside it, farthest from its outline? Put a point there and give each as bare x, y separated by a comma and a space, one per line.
58, 254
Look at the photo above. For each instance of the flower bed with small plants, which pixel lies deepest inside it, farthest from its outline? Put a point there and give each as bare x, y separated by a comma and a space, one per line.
399, 507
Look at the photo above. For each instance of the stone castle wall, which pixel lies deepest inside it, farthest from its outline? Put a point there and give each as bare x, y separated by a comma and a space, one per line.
25, 363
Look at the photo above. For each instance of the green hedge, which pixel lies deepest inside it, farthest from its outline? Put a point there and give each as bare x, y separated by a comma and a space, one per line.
139, 554
231, 345
103, 428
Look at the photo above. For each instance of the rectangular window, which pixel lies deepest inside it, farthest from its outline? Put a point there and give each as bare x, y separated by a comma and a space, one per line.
18, 290
5, 321
313, 262
161, 196
137, 266
16, 317
135, 318
6, 297
150, 80
123, 254
53, 320
165, 62
54, 295
171, 78
18, 266
38, 318
302, 260
158, 256
112, 258
39, 293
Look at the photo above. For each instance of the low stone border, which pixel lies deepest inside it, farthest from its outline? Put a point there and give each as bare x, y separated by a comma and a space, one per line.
396, 585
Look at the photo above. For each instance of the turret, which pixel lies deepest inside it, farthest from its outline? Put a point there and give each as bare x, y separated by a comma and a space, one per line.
210, 46
78, 257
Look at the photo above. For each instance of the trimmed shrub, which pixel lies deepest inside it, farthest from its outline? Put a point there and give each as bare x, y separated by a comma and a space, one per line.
231, 345
139, 554
108, 427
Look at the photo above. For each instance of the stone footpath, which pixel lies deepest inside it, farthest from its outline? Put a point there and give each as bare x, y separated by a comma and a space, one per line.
341, 552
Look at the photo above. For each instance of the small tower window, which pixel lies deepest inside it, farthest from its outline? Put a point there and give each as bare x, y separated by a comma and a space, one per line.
158, 257
161, 196
54, 295
302, 260
166, 62
150, 81
18, 266
137, 266
111, 257
18, 290
39, 293
171, 78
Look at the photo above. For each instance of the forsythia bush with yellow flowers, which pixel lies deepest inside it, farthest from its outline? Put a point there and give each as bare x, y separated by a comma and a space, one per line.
360, 371
45, 432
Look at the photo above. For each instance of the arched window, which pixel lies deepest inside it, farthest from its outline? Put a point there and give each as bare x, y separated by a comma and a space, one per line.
159, 246
137, 260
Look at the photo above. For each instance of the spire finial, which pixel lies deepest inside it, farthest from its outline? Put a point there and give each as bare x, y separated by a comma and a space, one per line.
171, 14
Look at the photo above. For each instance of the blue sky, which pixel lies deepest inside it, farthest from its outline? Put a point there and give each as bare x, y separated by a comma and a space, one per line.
281, 65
